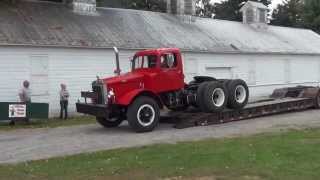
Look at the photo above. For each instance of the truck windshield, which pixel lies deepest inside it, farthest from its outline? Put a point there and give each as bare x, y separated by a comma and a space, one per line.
142, 62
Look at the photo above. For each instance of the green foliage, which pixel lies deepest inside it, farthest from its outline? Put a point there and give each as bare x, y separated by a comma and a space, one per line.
298, 13
204, 8
288, 155
311, 14
227, 10
148, 5
288, 14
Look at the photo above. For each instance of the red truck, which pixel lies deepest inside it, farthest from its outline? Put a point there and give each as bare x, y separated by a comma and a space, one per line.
157, 81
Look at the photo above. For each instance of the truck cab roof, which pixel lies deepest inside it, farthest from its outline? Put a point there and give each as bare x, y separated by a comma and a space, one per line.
157, 51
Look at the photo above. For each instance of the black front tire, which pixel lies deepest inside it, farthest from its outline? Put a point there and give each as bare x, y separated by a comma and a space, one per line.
115, 122
143, 114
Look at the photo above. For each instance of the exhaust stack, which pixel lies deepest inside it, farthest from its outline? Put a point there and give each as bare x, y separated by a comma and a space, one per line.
117, 70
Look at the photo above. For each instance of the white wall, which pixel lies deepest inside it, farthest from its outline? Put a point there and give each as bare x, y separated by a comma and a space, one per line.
46, 68
75, 67
263, 73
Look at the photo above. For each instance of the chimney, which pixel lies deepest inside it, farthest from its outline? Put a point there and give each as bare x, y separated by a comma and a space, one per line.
181, 7
83, 7
255, 13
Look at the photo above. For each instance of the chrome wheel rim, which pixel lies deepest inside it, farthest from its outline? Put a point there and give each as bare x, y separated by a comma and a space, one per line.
240, 94
146, 115
218, 97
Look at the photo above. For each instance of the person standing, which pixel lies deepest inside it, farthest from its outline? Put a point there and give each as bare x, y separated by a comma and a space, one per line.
24, 96
64, 96
25, 92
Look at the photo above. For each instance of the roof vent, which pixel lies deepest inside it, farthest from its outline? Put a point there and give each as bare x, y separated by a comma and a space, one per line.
255, 13
84, 7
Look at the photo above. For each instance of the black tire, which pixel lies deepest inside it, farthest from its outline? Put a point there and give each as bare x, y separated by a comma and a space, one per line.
236, 88
142, 107
200, 94
114, 122
215, 97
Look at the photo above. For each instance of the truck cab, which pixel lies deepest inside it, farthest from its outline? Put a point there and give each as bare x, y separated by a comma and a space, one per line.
152, 71
156, 81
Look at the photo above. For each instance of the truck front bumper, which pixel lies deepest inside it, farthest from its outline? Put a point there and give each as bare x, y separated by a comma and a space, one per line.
98, 110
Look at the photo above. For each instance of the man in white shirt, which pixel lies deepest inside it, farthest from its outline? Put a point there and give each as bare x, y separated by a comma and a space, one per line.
25, 92
24, 96
64, 97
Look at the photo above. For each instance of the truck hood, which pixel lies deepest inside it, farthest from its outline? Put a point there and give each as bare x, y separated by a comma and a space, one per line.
124, 78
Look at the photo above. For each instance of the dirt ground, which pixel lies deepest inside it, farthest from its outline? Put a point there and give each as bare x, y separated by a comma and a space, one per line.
33, 144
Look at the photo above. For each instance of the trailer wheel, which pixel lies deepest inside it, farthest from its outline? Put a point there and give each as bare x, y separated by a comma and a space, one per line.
143, 114
215, 97
109, 123
238, 94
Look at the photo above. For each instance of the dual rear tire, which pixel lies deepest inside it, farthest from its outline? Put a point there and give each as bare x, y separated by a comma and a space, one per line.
215, 96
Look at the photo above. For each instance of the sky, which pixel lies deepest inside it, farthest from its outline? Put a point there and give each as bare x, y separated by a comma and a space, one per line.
274, 2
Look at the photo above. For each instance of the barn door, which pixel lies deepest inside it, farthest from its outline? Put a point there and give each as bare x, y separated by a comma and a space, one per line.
39, 78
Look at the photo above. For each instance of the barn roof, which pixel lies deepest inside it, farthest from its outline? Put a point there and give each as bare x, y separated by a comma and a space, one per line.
52, 24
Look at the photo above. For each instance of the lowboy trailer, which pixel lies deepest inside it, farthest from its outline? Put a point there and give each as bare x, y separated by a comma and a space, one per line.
282, 100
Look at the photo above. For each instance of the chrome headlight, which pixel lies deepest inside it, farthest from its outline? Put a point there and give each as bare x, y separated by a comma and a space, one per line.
111, 94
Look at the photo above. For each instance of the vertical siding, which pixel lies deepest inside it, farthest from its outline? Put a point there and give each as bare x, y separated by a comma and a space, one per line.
14, 69
75, 67
79, 67
263, 73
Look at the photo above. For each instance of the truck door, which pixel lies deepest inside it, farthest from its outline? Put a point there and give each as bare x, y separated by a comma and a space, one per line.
171, 76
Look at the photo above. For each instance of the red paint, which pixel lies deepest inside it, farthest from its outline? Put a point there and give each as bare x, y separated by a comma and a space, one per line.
153, 80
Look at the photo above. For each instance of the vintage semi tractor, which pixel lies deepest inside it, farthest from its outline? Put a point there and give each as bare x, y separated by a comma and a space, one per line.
156, 81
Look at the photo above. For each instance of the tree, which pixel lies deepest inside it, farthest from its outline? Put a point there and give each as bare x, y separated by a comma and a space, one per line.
204, 8
149, 5
288, 14
311, 14
227, 10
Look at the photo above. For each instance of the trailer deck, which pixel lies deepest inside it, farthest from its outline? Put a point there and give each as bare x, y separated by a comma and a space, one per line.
194, 117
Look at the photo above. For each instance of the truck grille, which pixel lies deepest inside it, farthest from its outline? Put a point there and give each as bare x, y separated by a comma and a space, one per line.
99, 88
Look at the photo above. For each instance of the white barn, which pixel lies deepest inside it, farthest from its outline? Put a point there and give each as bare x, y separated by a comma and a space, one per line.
49, 43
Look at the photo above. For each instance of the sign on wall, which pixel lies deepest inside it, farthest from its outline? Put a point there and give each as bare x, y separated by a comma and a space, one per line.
17, 111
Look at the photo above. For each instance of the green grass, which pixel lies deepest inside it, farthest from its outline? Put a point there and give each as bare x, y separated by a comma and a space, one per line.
48, 123
293, 155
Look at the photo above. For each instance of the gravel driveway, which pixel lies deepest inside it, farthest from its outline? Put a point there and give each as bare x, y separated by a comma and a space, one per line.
32, 144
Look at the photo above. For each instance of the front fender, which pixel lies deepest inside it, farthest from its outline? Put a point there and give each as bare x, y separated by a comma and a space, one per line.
130, 96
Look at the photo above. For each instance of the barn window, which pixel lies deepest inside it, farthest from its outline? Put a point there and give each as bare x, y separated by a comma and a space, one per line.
250, 15
262, 15
188, 7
